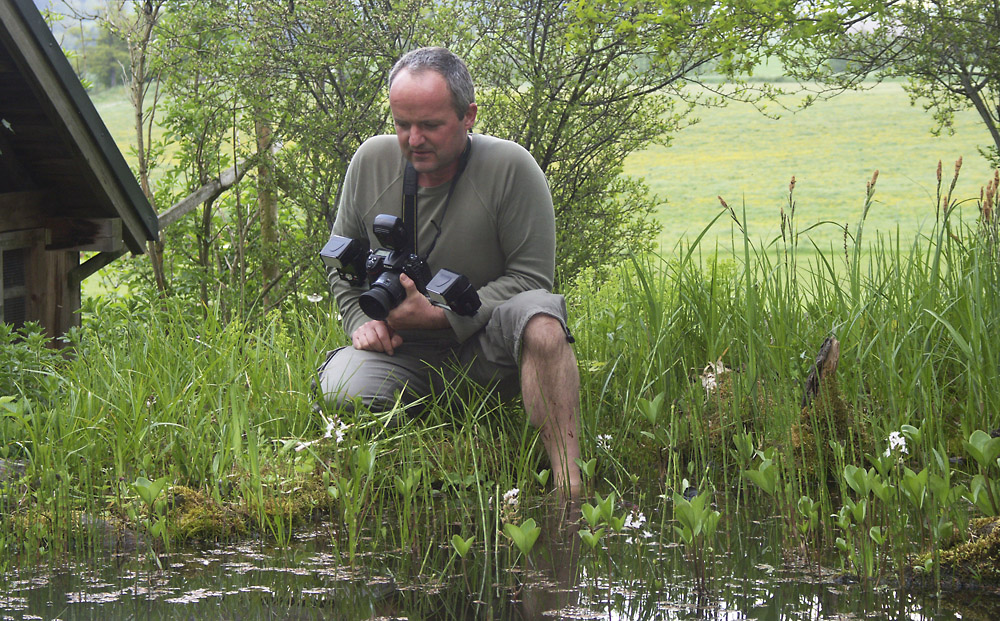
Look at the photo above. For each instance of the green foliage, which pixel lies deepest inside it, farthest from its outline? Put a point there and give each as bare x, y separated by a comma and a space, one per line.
28, 362
524, 535
945, 49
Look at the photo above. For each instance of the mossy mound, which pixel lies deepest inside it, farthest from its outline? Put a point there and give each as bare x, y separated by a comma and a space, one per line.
191, 515
977, 560
828, 418
729, 407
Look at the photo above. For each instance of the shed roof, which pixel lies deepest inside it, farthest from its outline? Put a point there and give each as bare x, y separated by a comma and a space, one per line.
55, 152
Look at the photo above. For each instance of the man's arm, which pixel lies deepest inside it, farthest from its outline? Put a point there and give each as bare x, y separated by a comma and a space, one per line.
525, 222
350, 222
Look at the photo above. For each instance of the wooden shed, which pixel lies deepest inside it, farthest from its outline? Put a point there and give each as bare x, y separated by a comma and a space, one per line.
65, 188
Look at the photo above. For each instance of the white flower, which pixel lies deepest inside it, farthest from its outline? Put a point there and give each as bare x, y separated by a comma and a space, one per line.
604, 442
708, 381
314, 297
896, 443
510, 496
634, 520
710, 375
335, 429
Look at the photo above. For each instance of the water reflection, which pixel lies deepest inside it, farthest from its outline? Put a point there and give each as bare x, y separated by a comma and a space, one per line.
631, 576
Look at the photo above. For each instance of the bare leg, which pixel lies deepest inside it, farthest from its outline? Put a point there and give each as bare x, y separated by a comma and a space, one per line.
550, 384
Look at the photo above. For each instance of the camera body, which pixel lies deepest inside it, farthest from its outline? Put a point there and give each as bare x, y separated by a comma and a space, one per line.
357, 264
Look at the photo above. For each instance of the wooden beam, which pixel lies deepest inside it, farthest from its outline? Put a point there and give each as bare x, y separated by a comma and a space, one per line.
23, 239
24, 210
209, 191
81, 272
85, 234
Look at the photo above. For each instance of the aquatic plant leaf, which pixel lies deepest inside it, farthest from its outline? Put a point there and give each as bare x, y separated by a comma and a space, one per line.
914, 486
858, 509
744, 447
591, 513
841, 544
765, 476
858, 480
523, 536
711, 522
685, 533
587, 467
148, 490
461, 545
591, 538
305, 465
606, 505
543, 477
406, 486
983, 448
365, 459
651, 409
876, 534
982, 493
616, 523
912, 434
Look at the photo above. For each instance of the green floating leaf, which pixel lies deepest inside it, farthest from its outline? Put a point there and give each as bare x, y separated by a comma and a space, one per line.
523, 536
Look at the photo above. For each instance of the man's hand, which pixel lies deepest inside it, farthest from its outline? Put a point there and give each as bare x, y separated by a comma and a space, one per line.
376, 335
414, 313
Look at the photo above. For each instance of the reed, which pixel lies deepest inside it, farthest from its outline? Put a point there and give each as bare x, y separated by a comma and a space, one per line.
692, 371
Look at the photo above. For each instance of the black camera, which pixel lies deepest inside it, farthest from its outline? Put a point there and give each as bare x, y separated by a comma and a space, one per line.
356, 263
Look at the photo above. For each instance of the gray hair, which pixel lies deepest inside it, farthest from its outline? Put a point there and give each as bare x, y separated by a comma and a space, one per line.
446, 64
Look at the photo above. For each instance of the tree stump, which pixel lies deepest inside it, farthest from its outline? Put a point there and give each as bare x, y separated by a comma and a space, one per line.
825, 366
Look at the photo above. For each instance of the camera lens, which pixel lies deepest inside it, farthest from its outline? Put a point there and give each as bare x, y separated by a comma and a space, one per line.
385, 294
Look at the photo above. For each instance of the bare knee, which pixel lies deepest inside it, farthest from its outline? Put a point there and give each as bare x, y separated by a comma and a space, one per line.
544, 337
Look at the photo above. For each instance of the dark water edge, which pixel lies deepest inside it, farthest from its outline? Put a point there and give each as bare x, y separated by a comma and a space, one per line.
635, 576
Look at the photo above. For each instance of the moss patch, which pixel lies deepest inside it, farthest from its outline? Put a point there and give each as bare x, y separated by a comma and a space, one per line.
978, 559
192, 515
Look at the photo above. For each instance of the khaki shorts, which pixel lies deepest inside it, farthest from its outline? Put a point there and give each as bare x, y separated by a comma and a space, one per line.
421, 369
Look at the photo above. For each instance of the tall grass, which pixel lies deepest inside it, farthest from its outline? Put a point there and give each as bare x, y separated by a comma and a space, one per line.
692, 377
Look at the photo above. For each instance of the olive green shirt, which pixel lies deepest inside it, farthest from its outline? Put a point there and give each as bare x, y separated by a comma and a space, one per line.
498, 229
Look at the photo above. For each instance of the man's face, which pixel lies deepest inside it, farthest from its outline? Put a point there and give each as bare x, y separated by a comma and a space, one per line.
430, 133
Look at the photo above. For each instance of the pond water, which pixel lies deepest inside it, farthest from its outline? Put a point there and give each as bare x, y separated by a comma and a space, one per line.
630, 575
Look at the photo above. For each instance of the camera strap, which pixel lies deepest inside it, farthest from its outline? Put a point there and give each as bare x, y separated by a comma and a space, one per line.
410, 205
410, 189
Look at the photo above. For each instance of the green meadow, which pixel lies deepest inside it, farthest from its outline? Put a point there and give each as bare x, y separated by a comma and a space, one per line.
831, 148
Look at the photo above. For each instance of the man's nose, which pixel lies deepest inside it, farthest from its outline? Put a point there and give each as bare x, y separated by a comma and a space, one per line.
416, 137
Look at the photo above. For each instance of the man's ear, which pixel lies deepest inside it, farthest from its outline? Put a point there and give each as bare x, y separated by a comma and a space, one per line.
470, 117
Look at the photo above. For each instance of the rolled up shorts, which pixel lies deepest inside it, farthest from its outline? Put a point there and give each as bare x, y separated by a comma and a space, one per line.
420, 369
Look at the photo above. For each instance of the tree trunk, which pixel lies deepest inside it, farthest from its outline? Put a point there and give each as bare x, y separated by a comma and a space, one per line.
267, 206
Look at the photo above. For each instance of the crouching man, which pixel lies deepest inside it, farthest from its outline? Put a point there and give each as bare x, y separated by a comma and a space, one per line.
480, 207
